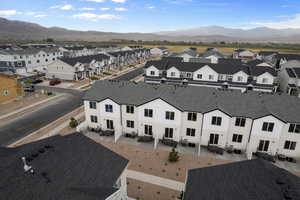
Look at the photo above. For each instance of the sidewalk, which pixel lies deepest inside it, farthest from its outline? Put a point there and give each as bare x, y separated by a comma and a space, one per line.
156, 180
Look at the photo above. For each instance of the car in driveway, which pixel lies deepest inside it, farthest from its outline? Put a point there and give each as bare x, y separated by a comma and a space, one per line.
37, 81
54, 82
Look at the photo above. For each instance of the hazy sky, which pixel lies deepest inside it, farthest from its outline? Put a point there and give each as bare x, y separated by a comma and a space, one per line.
153, 15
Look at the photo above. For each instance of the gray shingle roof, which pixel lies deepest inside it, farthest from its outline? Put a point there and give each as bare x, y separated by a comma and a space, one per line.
246, 180
66, 167
84, 59
199, 99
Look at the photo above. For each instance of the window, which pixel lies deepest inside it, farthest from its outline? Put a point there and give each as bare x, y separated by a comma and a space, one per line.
211, 77
190, 132
168, 132
213, 138
46, 60
94, 119
108, 108
192, 116
237, 138
173, 74
109, 124
290, 145
267, 126
53, 59
170, 115
199, 76
240, 78
264, 80
188, 75
148, 113
148, 130
38, 61
152, 73
129, 109
29, 61
130, 124
93, 105
216, 121
294, 128
263, 145
240, 121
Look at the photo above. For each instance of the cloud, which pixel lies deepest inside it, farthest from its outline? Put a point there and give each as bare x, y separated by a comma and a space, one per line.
63, 7
104, 9
96, 1
120, 9
151, 7
119, 1
293, 22
40, 16
95, 17
8, 12
87, 8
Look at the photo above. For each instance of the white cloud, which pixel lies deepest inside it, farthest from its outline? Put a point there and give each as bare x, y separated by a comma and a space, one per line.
96, 1
151, 7
8, 12
120, 9
95, 17
63, 7
40, 16
87, 8
119, 1
104, 9
293, 22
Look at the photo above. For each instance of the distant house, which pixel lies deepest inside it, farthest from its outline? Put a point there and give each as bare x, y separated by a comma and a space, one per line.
257, 62
289, 79
244, 54
159, 51
264, 55
10, 88
279, 60
15, 67
213, 55
131, 48
62, 167
247, 180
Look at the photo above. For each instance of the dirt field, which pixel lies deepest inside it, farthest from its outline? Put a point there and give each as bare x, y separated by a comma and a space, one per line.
222, 49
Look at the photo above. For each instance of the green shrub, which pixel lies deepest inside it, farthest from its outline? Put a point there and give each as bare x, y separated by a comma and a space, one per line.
73, 123
94, 78
173, 156
106, 73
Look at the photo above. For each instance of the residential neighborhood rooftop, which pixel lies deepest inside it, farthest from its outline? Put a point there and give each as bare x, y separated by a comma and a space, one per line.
247, 180
63, 167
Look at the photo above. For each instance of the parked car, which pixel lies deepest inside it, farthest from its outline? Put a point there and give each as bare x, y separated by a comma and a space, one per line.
54, 82
36, 81
29, 88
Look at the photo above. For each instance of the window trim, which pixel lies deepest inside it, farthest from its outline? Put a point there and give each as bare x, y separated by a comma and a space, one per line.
238, 138
191, 132
170, 115
148, 112
268, 126
240, 121
216, 121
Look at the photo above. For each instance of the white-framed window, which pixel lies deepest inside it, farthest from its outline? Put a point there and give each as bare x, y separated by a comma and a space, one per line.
152, 73
240, 78
173, 73
129, 109
109, 124
192, 116
168, 132
94, 119
170, 115
290, 145
216, 121
294, 128
93, 105
130, 124
148, 113
237, 138
211, 77
108, 108
148, 130
264, 80
263, 145
199, 76
213, 138
191, 132
188, 75
268, 126
240, 121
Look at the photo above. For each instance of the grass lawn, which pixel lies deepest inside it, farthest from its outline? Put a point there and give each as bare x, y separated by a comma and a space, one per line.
222, 49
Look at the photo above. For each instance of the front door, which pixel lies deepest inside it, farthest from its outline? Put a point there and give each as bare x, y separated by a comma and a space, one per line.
263, 145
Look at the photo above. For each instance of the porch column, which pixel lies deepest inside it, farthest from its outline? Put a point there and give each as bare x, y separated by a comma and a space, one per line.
199, 149
155, 142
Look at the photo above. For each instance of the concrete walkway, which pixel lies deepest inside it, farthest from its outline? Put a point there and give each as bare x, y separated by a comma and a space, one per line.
156, 180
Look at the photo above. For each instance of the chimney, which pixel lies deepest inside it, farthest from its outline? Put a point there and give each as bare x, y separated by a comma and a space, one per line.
26, 167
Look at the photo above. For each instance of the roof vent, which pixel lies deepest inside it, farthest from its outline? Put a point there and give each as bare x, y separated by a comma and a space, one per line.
27, 167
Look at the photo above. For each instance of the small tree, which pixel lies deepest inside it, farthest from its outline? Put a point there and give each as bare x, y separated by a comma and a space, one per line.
173, 156
73, 123
94, 78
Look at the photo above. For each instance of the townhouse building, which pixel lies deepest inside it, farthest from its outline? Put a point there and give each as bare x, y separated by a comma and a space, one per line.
289, 79
244, 54
15, 67
36, 59
78, 51
160, 51
77, 68
226, 74
62, 167
201, 116
278, 60
123, 58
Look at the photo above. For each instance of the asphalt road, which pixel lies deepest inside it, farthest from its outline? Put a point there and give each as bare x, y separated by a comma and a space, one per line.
23, 126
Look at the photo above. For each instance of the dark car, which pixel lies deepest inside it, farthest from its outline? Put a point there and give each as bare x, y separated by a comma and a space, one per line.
36, 81
54, 82
29, 88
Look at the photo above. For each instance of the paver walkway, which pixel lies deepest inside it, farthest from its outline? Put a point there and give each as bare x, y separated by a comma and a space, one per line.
156, 180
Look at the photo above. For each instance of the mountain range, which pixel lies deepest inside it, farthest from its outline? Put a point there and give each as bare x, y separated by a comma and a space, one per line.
19, 30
